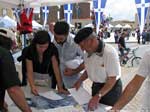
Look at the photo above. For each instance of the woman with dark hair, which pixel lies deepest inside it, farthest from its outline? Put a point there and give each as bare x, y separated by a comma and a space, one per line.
42, 58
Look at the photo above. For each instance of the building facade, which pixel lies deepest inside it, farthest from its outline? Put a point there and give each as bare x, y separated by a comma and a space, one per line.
81, 11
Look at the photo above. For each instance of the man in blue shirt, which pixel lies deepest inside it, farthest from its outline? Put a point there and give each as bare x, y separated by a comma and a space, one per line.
68, 50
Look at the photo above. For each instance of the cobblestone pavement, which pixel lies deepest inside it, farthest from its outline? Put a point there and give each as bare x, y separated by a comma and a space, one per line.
127, 75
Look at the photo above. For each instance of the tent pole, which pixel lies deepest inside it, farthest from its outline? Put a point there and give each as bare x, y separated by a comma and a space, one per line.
24, 41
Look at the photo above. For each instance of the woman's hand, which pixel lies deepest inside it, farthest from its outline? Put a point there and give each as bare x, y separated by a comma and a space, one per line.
61, 90
93, 103
34, 91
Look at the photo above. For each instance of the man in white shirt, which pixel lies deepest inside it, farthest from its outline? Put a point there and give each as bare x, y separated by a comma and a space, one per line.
101, 66
51, 31
135, 84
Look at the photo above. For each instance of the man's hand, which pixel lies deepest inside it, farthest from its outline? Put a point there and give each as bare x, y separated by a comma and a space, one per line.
61, 90
34, 91
113, 110
93, 103
68, 72
77, 84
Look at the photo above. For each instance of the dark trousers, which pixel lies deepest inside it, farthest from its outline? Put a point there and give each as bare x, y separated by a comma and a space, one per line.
112, 96
138, 38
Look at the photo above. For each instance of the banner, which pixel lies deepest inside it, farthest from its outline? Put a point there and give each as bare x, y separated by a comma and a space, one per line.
24, 20
17, 13
45, 11
68, 12
142, 9
98, 6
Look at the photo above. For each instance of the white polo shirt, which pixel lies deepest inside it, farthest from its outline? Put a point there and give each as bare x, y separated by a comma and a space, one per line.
100, 68
144, 71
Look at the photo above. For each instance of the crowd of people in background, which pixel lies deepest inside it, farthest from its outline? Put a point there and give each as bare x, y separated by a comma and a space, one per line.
145, 36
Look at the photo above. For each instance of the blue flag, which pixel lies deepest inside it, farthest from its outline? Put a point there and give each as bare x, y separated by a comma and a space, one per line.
68, 12
99, 6
45, 11
142, 9
17, 13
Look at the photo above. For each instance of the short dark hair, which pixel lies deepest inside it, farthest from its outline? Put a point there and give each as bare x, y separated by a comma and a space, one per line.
61, 28
83, 34
41, 37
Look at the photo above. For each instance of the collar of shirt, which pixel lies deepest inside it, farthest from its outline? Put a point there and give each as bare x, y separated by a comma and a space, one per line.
67, 41
100, 49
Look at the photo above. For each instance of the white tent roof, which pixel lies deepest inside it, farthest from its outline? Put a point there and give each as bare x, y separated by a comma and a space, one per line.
127, 26
89, 25
118, 26
36, 25
7, 22
37, 3
71, 25
110, 26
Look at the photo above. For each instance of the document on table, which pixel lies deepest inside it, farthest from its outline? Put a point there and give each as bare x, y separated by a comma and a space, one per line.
51, 95
65, 109
103, 108
80, 95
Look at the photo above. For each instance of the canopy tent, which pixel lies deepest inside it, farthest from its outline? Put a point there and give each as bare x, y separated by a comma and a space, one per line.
36, 25
89, 25
118, 26
71, 25
127, 26
37, 3
7, 22
110, 26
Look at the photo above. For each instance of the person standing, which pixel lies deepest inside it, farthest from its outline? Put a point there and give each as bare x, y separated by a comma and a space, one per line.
101, 67
42, 61
51, 31
116, 36
68, 50
138, 35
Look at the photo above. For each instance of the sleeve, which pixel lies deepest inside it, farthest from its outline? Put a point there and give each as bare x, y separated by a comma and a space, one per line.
9, 73
55, 52
143, 69
112, 64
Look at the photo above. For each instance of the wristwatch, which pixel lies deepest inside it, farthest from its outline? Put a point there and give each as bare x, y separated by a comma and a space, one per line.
99, 95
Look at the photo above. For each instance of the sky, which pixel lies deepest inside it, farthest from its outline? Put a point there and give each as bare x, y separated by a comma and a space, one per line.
121, 9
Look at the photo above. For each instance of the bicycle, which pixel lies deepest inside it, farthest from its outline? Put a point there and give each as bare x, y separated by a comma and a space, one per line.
131, 57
